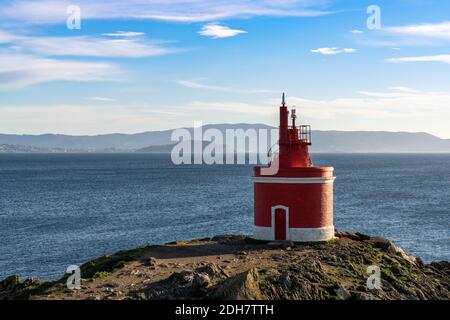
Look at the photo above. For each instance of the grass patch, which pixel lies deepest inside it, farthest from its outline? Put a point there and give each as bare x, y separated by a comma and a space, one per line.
100, 275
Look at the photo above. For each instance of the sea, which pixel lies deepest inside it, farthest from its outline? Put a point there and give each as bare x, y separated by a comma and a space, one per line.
58, 210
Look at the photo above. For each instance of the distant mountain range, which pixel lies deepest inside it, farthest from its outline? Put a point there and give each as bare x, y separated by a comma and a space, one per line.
13, 148
160, 141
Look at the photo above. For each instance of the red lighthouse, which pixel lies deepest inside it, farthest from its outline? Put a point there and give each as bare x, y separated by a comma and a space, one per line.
294, 201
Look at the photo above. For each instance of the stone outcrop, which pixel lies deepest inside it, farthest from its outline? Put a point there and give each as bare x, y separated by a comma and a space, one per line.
237, 267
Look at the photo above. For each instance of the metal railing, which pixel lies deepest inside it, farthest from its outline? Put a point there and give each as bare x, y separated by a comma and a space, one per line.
304, 133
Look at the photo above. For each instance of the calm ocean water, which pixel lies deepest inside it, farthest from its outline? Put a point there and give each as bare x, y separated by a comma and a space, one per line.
62, 209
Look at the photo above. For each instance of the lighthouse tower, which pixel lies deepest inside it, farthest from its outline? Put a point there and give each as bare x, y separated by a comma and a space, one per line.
293, 198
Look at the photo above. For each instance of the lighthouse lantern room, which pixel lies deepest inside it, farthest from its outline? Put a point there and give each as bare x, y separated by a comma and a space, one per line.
294, 201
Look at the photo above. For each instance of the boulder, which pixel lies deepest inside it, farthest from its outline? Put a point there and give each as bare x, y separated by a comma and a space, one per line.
342, 293
443, 266
151, 262
10, 283
213, 270
390, 247
201, 280
243, 286
353, 236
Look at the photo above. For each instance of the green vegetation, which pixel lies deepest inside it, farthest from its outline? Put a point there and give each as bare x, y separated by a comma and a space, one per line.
100, 275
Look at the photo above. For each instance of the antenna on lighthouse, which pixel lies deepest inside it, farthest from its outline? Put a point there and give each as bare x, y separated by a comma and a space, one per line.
283, 101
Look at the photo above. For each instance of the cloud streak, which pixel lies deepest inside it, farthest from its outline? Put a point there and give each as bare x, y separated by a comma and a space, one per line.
126, 34
333, 51
102, 99
443, 58
397, 102
198, 85
232, 107
54, 11
17, 71
93, 47
30, 60
123, 45
422, 34
85, 119
430, 30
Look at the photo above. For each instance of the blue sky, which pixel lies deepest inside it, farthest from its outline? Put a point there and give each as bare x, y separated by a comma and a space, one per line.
149, 65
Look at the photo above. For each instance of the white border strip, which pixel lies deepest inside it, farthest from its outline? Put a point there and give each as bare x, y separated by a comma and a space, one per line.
292, 180
296, 234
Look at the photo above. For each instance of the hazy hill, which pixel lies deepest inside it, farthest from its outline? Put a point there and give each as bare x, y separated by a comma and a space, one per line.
10, 148
167, 148
107, 141
160, 142
377, 142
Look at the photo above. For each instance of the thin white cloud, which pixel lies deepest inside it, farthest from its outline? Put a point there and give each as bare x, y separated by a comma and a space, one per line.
102, 99
391, 110
443, 58
54, 11
28, 60
357, 32
6, 37
404, 89
395, 102
424, 34
232, 107
333, 51
125, 34
393, 92
87, 119
90, 46
217, 31
18, 71
396, 109
430, 30
198, 85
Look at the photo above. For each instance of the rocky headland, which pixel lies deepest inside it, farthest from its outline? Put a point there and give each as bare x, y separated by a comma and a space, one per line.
237, 267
